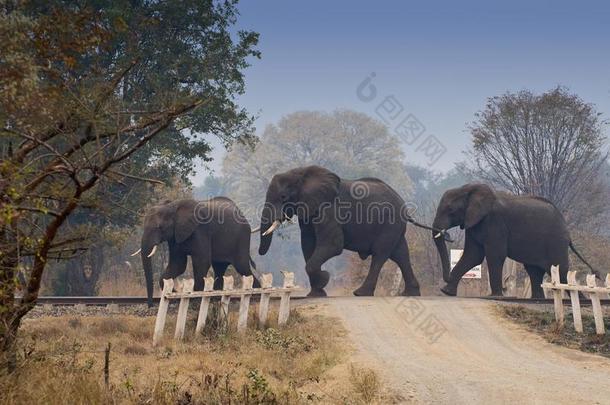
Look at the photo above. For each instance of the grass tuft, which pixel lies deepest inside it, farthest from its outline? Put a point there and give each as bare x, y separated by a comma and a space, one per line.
366, 383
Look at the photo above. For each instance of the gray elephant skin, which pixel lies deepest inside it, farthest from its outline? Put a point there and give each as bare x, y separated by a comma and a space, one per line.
327, 209
527, 229
213, 232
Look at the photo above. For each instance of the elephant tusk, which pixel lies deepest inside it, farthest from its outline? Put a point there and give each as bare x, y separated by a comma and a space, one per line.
154, 250
272, 228
439, 234
137, 252
258, 228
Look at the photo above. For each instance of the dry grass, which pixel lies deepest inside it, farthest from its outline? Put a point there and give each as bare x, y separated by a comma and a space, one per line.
62, 360
366, 384
120, 283
543, 323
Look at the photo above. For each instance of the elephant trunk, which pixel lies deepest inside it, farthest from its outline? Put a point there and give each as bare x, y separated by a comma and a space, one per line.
441, 247
270, 219
147, 248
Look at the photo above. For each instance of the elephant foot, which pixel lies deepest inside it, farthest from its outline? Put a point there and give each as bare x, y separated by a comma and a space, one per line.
411, 292
319, 280
496, 294
317, 292
364, 292
449, 290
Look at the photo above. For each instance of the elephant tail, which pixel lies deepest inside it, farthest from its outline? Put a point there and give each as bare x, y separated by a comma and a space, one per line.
593, 271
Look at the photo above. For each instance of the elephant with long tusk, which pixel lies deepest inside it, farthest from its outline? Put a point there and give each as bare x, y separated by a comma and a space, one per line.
213, 232
327, 210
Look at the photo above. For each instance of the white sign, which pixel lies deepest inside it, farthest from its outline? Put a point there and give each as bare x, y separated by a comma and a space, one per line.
475, 272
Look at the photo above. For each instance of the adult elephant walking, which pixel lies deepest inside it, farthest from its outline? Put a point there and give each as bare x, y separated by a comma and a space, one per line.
212, 232
527, 229
365, 216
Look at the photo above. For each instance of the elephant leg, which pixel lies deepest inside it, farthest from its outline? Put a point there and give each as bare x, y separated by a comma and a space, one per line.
242, 265
401, 257
473, 256
536, 275
201, 265
495, 264
308, 241
370, 282
318, 279
328, 244
175, 267
219, 271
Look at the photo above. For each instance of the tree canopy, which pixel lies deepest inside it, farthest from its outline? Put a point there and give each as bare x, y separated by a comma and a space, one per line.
550, 145
95, 96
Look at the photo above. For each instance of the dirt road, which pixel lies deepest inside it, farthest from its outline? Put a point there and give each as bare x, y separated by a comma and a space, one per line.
458, 351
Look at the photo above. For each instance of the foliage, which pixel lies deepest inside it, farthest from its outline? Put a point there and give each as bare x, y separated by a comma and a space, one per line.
95, 96
549, 145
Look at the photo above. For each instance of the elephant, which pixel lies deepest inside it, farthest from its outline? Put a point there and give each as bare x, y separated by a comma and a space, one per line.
212, 232
527, 229
336, 214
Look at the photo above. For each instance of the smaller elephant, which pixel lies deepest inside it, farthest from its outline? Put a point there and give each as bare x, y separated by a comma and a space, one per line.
213, 232
527, 229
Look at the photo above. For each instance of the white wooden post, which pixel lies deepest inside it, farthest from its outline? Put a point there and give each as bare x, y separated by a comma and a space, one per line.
527, 288
187, 288
168, 286
608, 285
576, 314
205, 304
596, 305
244, 303
226, 299
285, 298
557, 296
263, 306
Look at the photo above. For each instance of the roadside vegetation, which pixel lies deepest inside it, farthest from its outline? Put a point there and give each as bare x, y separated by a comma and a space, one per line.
61, 360
542, 322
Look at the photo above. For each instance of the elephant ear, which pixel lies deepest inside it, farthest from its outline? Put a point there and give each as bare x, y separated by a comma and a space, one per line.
319, 188
480, 201
187, 212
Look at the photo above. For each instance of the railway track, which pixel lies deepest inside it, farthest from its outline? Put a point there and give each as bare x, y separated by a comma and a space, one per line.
100, 301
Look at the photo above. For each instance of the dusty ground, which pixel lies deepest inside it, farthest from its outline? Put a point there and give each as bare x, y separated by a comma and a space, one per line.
451, 350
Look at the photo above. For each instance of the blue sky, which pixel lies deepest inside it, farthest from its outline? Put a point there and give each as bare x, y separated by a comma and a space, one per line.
439, 59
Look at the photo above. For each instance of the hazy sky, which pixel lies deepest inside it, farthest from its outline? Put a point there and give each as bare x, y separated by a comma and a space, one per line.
440, 60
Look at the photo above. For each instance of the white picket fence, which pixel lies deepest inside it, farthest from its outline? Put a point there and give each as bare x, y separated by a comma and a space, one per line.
573, 288
184, 292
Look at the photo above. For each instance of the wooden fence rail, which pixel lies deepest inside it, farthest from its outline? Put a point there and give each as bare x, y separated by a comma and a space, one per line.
173, 289
574, 288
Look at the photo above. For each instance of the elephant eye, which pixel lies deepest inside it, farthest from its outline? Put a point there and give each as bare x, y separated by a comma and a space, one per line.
284, 197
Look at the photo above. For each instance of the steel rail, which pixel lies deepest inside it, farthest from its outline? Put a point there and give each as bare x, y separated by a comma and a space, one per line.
125, 300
